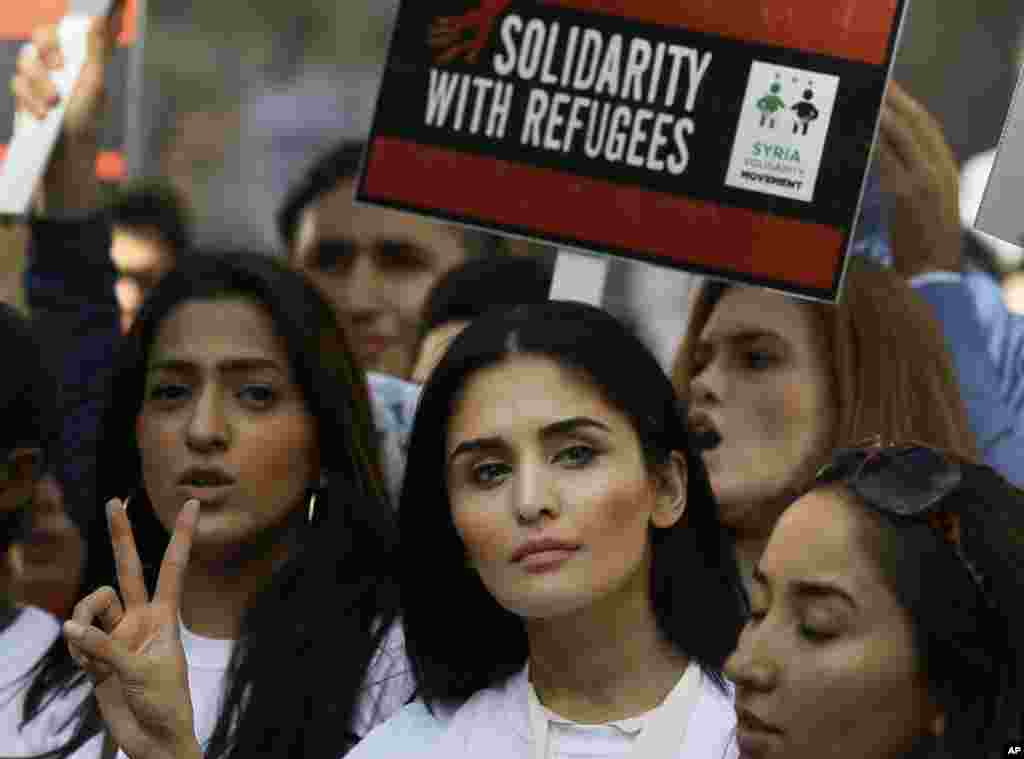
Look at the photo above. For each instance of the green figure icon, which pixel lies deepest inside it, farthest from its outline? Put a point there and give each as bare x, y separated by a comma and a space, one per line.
770, 104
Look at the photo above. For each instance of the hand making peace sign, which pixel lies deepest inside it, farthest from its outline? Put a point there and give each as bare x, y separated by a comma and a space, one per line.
132, 650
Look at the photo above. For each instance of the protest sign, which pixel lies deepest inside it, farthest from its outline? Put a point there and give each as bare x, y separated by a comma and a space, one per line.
1000, 212
24, 150
729, 139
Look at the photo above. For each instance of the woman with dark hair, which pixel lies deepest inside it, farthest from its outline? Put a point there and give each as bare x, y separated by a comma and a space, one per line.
236, 388
565, 582
886, 616
574, 532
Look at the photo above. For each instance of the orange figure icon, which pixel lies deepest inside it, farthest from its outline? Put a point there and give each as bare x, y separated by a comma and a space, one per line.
452, 36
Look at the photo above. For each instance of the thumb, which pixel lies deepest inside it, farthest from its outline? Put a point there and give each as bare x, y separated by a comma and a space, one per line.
100, 647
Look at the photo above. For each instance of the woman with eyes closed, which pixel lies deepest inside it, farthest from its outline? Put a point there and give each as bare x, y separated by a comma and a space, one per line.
236, 393
774, 384
886, 619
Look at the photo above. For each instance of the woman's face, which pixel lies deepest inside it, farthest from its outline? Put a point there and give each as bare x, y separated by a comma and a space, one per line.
761, 380
534, 452
224, 421
826, 665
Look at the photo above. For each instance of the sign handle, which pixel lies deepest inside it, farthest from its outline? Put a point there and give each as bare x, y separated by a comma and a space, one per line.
579, 276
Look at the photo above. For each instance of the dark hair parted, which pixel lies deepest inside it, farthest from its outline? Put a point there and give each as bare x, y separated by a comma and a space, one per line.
693, 565
969, 646
312, 631
341, 164
480, 284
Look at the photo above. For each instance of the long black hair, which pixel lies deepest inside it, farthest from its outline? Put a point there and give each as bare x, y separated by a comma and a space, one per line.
968, 641
307, 639
458, 638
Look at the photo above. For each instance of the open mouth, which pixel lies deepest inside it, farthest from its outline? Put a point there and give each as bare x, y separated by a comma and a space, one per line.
703, 435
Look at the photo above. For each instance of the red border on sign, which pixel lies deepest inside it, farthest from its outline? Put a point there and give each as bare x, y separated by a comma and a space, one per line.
601, 214
858, 30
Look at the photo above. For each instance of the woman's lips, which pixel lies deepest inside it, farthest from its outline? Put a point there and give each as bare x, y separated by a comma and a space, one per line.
373, 345
703, 434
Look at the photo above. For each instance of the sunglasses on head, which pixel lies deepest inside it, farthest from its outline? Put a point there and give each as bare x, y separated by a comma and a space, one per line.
907, 481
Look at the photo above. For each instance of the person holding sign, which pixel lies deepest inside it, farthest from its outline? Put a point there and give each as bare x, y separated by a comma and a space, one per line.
573, 531
886, 617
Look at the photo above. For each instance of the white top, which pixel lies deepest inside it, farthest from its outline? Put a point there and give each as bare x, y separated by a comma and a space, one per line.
655, 734
21, 646
389, 685
496, 724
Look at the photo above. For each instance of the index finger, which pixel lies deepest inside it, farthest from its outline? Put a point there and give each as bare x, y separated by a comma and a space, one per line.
175, 563
130, 579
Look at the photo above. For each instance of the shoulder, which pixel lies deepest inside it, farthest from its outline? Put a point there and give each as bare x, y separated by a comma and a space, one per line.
25, 641
412, 731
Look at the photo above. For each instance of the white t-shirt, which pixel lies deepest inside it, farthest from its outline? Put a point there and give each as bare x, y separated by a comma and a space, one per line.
496, 724
389, 685
21, 646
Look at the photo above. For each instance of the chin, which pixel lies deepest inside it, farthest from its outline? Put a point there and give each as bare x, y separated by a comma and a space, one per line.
540, 606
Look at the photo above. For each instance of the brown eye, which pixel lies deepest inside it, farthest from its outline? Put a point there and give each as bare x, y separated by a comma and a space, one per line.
168, 392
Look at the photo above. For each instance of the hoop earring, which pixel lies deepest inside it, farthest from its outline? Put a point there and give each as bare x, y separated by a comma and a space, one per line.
311, 510
313, 493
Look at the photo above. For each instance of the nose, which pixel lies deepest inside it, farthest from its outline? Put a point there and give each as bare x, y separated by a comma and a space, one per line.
752, 667
534, 494
707, 385
208, 427
361, 289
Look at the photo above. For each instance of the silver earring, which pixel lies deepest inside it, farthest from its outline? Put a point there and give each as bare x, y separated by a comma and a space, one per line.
311, 507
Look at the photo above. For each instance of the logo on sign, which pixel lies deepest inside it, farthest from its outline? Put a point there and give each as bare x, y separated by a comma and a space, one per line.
781, 133
465, 36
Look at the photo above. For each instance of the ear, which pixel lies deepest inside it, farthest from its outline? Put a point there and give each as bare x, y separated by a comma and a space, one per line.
670, 480
938, 726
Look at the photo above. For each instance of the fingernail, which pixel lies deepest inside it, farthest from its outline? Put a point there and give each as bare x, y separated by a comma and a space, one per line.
74, 629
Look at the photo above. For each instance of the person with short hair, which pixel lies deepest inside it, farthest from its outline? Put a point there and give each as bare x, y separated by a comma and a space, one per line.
150, 234
374, 264
886, 615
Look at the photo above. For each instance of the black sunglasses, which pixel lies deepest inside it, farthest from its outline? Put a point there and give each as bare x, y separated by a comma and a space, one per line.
905, 480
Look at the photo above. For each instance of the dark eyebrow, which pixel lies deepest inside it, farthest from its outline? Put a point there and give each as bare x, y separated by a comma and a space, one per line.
747, 335
810, 589
556, 429
234, 365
